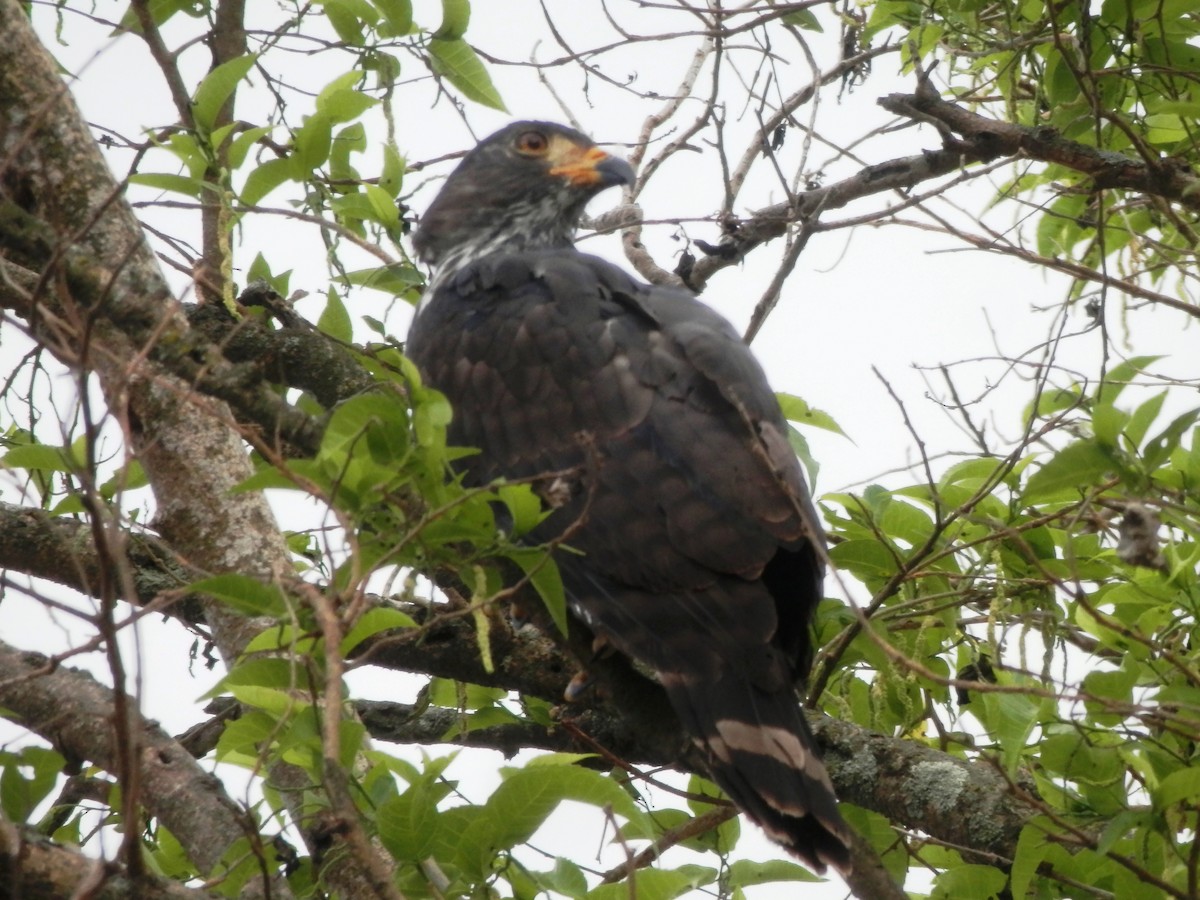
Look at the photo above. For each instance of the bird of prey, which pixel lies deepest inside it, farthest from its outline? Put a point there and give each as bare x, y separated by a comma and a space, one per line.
692, 543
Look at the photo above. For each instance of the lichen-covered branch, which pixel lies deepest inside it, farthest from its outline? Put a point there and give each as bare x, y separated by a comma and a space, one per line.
74, 712
33, 256
32, 866
61, 550
967, 804
296, 355
114, 316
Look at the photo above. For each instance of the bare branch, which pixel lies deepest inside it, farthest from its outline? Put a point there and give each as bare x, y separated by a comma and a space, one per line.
985, 139
771, 222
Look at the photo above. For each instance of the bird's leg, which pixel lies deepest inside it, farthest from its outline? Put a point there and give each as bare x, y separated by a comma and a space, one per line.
578, 686
518, 614
583, 679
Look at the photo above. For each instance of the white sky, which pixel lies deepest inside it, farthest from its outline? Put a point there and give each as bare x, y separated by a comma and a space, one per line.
891, 298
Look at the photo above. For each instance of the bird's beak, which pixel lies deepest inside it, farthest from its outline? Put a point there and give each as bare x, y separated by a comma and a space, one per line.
590, 167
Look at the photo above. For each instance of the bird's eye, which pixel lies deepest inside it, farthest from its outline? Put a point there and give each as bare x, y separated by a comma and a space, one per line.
532, 143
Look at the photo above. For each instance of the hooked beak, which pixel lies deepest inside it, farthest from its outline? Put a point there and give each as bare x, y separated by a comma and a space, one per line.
592, 168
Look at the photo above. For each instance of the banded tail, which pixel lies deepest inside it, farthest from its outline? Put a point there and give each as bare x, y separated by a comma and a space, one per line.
762, 754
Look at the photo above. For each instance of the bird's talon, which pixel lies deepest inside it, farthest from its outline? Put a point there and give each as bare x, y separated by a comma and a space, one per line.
578, 687
601, 648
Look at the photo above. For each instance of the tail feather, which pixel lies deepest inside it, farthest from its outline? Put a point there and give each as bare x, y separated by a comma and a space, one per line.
762, 754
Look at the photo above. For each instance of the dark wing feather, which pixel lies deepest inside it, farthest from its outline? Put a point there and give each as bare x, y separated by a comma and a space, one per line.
701, 557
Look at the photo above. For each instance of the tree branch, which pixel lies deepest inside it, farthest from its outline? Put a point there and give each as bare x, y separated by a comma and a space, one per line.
967, 804
772, 221
75, 713
927, 790
984, 139
980, 140
32, 866
296, 355
119, 329
61, 550
124, 326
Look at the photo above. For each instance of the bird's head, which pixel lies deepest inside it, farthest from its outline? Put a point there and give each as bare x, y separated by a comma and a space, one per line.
524, 187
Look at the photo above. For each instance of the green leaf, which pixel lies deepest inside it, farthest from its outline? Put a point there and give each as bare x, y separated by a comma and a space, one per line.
266, 477
863, 558
797, 410
724, 837
527, 796
803, 18
396, 278
380, 415
265, 178
524, 507
1123, 374
246, 595
345, 81
345, 105
391, 179
1142, 418
462, 695
747, 872
39, 457
971, 470
1107, 423
260, 269
262, 671
398, 16
282, 637
20, 793
561, 758
165, 181
905, 522
1058, 230
974, 881
455, 16
161, 11
565, 878
458, 64
351, 139
1032, 846
345, 21
656, 884
878, 832
1056, 400
1159, 447
128, 478
373, 622
1011, 719
384, 207
799, 444
217, 87
408, 823
1077, 465
483, 623
242, 736
334, 320
543, 574
431, 417
311, 142
240, 146
1179, 786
